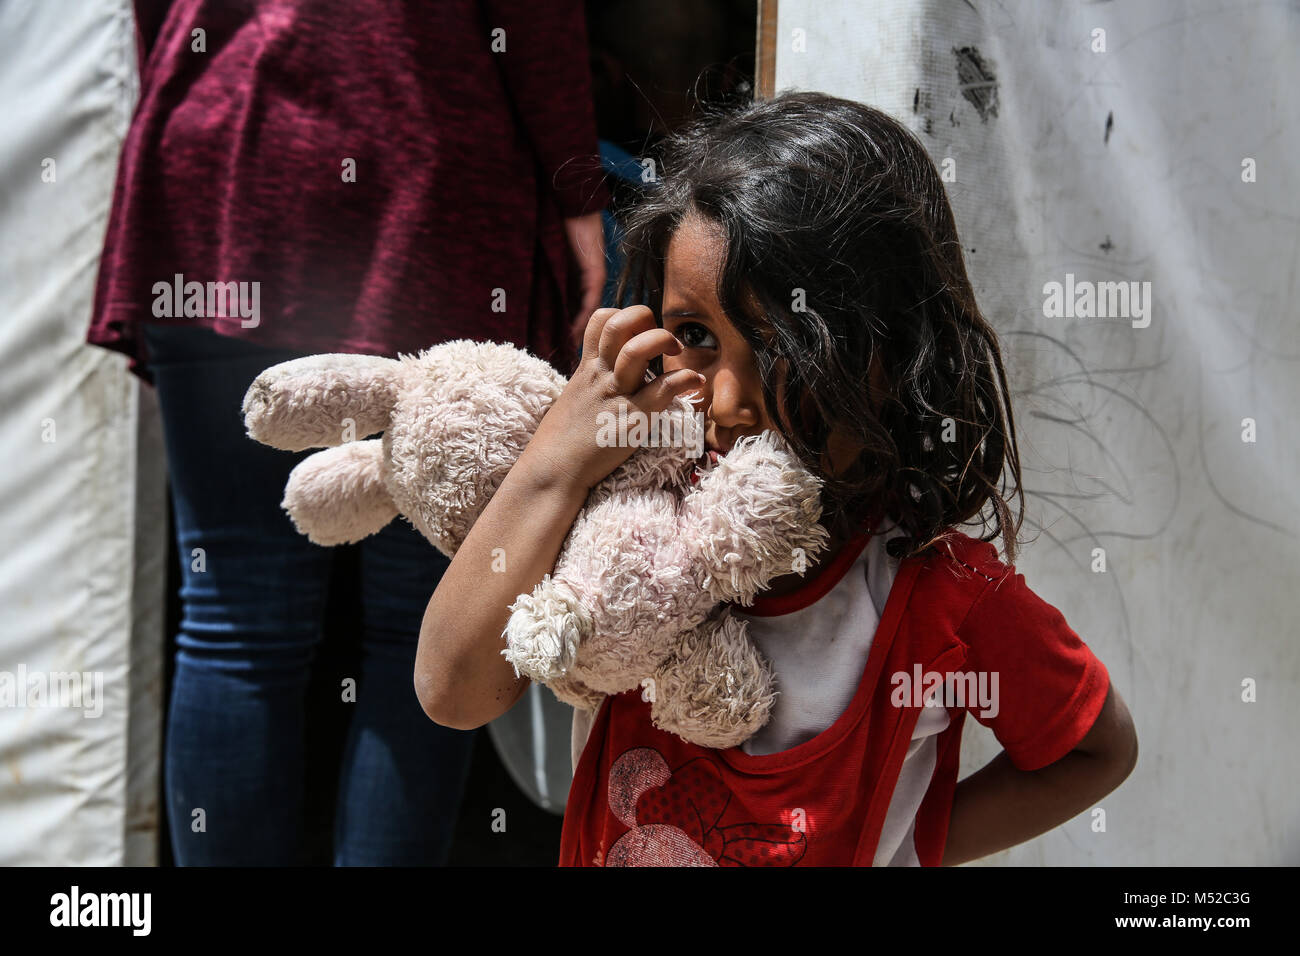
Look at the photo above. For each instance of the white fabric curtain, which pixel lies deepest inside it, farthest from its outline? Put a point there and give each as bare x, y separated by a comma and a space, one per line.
1137, 143
82, 525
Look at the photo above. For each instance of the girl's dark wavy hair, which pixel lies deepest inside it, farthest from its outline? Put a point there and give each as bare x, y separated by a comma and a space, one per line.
842, 254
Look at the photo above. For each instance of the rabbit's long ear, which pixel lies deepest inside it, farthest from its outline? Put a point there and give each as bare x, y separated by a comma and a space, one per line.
321, 400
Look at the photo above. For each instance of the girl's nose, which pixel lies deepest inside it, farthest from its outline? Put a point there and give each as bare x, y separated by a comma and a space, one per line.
730, 403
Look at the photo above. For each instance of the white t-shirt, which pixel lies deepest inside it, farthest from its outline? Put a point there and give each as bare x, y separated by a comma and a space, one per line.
819, 653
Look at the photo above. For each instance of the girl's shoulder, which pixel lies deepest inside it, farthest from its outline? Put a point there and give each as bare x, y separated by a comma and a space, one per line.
988, 602
966, 557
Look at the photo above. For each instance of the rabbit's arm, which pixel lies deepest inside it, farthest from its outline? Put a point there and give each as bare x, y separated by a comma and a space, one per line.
461, 677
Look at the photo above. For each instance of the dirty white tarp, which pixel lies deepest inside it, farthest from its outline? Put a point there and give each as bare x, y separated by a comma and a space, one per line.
1131, 162
82, 546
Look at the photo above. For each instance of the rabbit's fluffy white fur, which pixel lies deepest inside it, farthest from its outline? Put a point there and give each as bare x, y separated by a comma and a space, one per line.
639, 593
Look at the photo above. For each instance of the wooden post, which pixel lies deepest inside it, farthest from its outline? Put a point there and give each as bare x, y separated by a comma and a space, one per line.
765, 54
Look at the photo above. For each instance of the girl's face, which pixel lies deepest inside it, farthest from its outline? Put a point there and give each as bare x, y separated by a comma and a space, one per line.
733, 393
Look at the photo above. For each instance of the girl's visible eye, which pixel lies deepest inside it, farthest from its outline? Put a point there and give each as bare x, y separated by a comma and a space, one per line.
695, 336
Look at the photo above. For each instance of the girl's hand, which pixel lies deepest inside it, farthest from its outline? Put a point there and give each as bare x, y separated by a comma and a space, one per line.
617, 349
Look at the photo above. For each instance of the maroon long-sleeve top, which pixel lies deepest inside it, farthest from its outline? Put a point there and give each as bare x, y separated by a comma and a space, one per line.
470, 130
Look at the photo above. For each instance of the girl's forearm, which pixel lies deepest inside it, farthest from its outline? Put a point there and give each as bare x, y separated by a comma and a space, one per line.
999, 806
460, 676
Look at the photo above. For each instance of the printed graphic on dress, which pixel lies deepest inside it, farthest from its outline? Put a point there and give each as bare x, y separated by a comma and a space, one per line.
676, 818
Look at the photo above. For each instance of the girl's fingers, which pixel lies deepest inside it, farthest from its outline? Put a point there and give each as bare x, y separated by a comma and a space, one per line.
591, 335
635, 357
617, 329
658, 395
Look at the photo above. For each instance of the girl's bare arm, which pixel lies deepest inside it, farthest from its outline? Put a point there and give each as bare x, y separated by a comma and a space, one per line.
1000, 806
460, 676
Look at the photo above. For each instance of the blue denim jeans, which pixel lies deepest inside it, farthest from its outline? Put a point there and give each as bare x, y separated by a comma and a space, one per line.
252, 602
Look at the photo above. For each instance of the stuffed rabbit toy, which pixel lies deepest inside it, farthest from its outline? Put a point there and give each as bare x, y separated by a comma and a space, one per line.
639, 590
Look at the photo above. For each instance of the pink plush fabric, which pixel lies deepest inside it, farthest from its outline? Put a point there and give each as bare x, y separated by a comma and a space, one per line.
638, 594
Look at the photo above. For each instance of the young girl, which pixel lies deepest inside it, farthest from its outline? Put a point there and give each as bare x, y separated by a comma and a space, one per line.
803, 273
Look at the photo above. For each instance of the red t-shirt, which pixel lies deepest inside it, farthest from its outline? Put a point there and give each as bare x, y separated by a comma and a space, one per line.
641, 796
467, 159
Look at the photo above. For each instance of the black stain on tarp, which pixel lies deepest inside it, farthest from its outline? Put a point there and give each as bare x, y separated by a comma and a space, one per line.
976, 81
1110, 124
921, 101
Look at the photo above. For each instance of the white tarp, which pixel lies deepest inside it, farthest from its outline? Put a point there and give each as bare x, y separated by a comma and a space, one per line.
1125, 164
82, 546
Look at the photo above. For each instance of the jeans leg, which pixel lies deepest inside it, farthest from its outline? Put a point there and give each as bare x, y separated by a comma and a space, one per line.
252, 596
403, 776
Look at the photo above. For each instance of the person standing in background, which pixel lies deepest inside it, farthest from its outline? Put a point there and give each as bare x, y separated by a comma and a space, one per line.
374, 176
